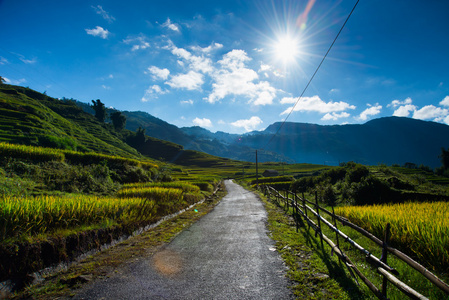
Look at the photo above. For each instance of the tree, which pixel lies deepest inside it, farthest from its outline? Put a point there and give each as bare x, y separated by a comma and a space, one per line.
100, 110
118, 120
444, 158
2, 80
140, 136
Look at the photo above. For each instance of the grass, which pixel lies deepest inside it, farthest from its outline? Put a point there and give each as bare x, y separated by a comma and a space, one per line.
314, 273
421, 229
102, 264
337, 271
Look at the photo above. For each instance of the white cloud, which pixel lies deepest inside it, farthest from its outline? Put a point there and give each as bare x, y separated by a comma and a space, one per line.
98, 31
190, 102
288, 100
258, 49
402, 108
202, 122
335, 116
99, 10
370, 111
106, 87
396, 103
235, 79
171, 25
197, 63
315, 103
445, 101
430, 112
3, 60
264, 67
208, 49
152, 93
404, 111
138, 43
159, 73
234, 59
249, 124
190, 81
14, 82
333, 91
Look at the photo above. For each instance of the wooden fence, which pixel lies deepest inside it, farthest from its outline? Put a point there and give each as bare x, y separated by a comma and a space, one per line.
301, 208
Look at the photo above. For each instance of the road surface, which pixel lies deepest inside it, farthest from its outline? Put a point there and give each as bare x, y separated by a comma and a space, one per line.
225, 255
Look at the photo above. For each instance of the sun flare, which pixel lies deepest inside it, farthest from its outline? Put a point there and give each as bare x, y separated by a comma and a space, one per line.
286, 49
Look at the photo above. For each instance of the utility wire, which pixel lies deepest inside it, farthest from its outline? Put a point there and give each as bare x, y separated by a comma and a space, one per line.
299, 98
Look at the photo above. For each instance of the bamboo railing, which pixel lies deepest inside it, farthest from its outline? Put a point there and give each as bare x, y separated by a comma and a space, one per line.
302, 206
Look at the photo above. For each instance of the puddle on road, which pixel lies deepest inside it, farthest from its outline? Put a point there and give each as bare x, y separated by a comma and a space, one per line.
167, 262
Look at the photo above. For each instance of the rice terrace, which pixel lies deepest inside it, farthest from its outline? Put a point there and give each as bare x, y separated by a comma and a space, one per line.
240, 150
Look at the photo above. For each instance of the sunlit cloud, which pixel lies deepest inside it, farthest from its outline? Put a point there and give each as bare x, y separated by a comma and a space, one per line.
315, 103
189, 102
138, 43
168, 24
445, 101
234, 78
159, 73
372, 110
197, 63
430, 112
335, 116
3, 61
248, 124
190, 81
99, 10
152, 93
208, 49
202, 122
402, 108
98, 31
14, 82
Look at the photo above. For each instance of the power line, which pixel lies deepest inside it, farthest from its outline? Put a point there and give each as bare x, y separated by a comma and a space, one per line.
324, 57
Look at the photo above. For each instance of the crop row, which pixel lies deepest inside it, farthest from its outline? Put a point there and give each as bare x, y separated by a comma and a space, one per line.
34, 153
30, 216
420, 228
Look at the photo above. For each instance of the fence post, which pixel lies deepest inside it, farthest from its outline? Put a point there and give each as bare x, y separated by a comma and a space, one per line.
305, 209
383, 258
319, 219
295, 210
336, 233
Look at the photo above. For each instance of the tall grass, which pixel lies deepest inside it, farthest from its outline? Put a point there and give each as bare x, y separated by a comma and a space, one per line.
39, 154
20, 217
418, 228
30, 152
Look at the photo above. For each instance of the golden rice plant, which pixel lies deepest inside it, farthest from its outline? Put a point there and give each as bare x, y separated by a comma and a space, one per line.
30, 152
184, 186
419, 228
45, 214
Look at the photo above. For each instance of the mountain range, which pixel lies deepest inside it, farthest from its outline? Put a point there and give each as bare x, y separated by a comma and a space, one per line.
389, 140
30, 117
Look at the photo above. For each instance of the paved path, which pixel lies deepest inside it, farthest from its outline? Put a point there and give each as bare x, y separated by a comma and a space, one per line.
225, 255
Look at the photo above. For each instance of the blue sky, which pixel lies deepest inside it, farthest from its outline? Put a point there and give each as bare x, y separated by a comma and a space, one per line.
234, 65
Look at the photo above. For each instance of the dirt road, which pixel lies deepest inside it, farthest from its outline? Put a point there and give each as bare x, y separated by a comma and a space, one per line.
225, 255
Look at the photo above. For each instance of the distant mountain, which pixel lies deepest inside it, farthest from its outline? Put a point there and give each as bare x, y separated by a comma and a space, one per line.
198, 139
389, 140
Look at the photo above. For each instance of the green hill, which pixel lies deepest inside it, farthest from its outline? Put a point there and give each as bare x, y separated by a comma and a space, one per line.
32, 118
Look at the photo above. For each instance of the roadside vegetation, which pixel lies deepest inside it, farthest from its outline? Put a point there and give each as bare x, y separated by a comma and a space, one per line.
414, 200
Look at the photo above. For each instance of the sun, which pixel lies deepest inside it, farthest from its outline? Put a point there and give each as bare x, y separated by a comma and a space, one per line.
286, 49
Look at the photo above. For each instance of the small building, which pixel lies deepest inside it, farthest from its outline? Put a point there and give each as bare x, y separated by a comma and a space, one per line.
270, 173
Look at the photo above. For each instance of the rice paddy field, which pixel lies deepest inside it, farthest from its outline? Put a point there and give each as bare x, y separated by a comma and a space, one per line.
27, 217
421, 229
